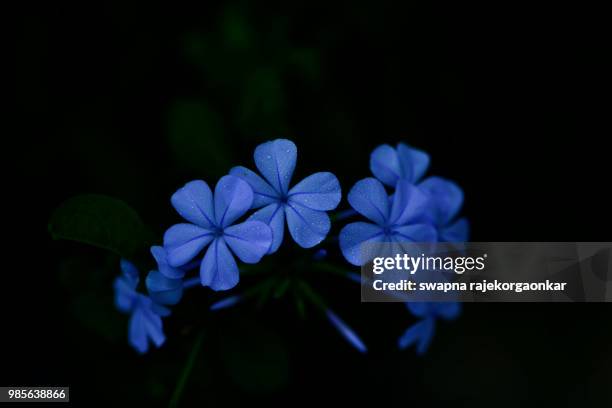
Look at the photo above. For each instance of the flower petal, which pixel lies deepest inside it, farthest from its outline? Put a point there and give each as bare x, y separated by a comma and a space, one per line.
153, 326
448, 310
163, 290
274, 216
355, 234
409, 203
420, 333
194, 202
415, 233
159, 253
413, 162
447, 198
219, 269
320, 191
307, 227
264, 193
420, 309
346, 332
125, 294
137, 336
233, 198
276, 161
385, 164
369, 198
184, 241
458, 231
249, 240
130, 272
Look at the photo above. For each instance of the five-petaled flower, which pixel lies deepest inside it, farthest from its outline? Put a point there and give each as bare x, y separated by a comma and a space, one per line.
422, 332
395, 220
145, 322
304, 205
211, 219
390, 165
446, 200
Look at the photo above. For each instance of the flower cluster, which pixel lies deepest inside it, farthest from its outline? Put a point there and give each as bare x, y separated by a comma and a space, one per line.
416, 211
244, 218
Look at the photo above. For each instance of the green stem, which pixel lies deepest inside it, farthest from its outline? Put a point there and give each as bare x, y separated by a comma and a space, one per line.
180, 385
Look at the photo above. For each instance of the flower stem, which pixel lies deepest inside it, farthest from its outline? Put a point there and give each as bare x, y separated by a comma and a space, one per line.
180, 385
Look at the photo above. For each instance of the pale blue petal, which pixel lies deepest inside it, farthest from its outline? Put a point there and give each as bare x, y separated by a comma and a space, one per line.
355, 234
448, 310
130, 272
194, 202
385, 165
409, 203
264, 193
420, 309
276, 161
307, 227
125, 294
458, 231
447, 198
274, 216
184, 241
346, 332
413, 162
415, 233
159, 253
137, 336
219, 269
153, 326
421, 334
249, 240
320, 191
233, 198
369, 198
164, 290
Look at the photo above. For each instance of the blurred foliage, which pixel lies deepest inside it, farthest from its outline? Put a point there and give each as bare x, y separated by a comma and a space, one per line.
101, 221
197, 138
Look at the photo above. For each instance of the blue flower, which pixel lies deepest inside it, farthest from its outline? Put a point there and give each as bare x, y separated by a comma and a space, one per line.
211, 226
390, 165
395, 220
446, 200
304, 205
421, 333
346, 332
163, 290
145, 322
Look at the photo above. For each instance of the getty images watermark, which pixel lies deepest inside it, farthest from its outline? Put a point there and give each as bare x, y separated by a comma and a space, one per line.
487, 271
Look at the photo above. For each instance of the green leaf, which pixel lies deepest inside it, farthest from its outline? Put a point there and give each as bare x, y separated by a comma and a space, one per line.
101, 221
197, 138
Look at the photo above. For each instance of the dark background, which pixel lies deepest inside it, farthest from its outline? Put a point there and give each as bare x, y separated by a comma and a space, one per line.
132, 101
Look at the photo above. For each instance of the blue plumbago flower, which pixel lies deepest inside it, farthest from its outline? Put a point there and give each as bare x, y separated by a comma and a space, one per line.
446, 200
346, 332
407, 163
211, 226
303, 205
161, 257
145, 322
164, 290
395, 220
421, 333
390, 165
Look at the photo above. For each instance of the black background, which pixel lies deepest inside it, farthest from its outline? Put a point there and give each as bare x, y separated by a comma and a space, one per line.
509, 100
